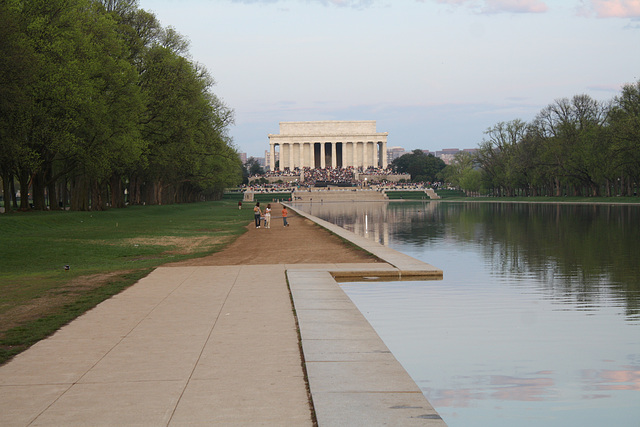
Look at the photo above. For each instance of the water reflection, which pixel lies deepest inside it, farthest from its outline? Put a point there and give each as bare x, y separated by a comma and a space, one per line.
574, 251
536, 321
607, 380
538, 387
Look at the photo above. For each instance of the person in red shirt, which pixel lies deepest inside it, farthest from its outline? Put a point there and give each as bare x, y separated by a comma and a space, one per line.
284, 216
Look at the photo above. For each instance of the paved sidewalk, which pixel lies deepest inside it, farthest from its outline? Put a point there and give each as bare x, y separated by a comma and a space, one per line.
184, 346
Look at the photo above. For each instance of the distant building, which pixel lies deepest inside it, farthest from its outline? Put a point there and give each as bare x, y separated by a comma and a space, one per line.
394, 153
329, 144
267, 165
243, 157
447, 155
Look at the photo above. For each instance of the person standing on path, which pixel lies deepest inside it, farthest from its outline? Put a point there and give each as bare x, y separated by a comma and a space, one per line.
267, 216
257, 213
284, 216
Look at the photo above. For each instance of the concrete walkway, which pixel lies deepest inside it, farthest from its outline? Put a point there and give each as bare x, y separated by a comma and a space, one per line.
218, 345
184, 346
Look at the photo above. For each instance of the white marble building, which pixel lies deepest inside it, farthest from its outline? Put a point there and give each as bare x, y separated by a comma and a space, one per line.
325, 144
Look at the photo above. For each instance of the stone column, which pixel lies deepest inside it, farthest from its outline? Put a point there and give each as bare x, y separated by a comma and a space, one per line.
354, 154
284, 151
322, 155
334, 154
374, 154
301, 145
384, 155
364, 155
272, 157
287, 158
346, 161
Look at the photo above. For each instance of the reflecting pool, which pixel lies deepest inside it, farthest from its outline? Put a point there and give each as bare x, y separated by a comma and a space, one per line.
537, 319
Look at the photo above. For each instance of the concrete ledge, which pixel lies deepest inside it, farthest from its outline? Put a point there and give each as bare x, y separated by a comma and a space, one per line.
353, 378
404, 265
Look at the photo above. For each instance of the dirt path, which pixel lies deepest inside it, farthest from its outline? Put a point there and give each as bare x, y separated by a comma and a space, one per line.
301, 243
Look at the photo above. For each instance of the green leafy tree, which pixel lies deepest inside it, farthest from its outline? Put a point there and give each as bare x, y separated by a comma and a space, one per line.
16, 72
253, 167
496, 155
463, 173
109, 141
421, 167
571, 129
624, 122
56, 93
96, 95
183, 122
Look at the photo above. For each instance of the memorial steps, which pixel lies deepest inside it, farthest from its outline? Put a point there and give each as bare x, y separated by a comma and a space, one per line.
339, 195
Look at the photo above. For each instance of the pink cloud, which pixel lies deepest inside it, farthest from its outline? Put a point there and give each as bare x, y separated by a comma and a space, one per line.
616, 8
499, 6
515, 6
450, 1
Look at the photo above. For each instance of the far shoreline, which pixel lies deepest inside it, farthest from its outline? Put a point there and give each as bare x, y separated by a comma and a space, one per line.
550, 201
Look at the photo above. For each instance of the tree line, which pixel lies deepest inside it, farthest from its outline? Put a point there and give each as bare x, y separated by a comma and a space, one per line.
99, 101
573, 147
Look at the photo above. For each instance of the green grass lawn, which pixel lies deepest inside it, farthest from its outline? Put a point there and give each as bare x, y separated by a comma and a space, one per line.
105, 251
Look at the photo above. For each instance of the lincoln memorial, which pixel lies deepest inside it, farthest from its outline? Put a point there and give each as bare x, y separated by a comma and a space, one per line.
329, 144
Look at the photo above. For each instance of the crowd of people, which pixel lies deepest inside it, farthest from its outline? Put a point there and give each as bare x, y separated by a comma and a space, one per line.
346, 177
342, 176
309, 176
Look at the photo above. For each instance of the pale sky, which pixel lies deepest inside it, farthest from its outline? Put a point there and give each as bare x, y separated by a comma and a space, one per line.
433, 73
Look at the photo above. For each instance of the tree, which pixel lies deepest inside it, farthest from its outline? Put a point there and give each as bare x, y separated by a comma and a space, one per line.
624, 120
109, 141
495, 155
421, 167
463, 173
55, 94
571, 129
16, 71
253, 167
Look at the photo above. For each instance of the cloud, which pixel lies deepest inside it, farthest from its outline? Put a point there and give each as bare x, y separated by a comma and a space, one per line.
350, 3
614, 89
482, 6
500, 6
356, 4
612, 8
515, 6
